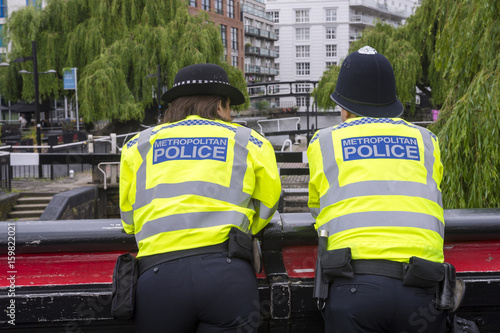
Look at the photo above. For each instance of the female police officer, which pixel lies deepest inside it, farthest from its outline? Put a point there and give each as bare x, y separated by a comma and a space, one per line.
186, 187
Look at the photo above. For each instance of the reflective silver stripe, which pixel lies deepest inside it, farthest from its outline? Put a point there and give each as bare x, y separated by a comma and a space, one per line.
192, 221
429, 165
378, 187
330, 167
232, 194
315, 211
394, 187
204, 189
384, 219
143, 146
241, 139
127, 217
264, 211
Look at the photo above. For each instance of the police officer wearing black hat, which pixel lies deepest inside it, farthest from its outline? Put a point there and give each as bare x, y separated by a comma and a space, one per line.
194, 190
375, 194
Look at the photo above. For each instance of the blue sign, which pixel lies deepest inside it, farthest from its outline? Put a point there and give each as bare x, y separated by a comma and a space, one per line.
190, 149
69, 79
369, 147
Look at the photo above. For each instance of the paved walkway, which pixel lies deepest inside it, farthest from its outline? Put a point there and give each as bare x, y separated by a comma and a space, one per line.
35, 185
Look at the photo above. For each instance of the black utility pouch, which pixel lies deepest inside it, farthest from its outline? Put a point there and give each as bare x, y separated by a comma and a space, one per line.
337, 263
240, 245
125, 278
461, 325
423, 273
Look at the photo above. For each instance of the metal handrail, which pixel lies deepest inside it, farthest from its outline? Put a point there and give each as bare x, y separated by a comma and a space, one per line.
104, 172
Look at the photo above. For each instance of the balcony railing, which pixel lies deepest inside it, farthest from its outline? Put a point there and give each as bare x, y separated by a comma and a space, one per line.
257, 12
354, 37
249, 30
362, 19
380, 7
251, 69
253, 50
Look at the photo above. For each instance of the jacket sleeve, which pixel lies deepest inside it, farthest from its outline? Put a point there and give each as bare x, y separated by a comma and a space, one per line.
126, 179
315, 161
438, 165
267, 186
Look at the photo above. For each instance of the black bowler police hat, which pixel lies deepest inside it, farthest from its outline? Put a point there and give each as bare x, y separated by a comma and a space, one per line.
203, 79
366, 85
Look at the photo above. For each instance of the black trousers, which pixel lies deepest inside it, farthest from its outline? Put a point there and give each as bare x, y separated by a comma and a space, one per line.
371, 303
203, 293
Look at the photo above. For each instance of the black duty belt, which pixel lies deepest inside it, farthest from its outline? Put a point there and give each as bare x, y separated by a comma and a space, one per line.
148, 262
387, 268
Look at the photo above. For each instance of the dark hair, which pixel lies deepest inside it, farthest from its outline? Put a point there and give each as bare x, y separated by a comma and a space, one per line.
203, 106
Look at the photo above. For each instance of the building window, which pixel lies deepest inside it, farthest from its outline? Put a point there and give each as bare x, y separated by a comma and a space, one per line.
302, 51
234, 39
3, 8
277, 49
301, 16
34, 3
301, 101
331, 15
302, 68
302, 33
230, 8
234, 61
331, 33
303, 88
192, 3
275, 16
205, 5
1, 37
277, 32
218, 7
331, 51
330, 64
223, 34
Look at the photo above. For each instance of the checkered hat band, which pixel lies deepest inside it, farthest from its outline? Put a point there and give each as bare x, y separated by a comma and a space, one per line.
198, 82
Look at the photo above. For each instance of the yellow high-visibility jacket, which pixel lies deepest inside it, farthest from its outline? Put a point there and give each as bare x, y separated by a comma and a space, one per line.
375, 186
183, 185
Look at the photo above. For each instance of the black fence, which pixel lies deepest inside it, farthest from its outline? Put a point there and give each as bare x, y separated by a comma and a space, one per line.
5, 172
58, 164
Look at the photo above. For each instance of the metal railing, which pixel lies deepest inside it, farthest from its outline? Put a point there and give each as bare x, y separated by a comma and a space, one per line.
24, 162
5, 171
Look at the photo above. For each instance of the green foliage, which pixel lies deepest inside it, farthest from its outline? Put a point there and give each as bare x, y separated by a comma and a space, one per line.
403, 58
469, 132
451, 47
114, 45
325, 87
261, 105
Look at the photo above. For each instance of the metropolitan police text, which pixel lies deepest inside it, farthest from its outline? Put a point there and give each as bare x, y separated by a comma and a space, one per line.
189, 149
398, 147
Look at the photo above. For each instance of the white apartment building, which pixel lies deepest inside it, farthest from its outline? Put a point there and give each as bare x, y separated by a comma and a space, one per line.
259, 42
315, 34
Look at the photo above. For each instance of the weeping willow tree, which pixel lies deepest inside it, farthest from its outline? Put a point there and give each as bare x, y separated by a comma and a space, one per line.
115, 45
449, 49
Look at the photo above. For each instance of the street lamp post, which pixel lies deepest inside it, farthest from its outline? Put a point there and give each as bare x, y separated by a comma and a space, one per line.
37, 94
36, 86
158, 96
35, 83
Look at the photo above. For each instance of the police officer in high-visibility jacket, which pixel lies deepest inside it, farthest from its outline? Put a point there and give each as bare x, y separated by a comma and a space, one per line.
375, 192
193, 190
